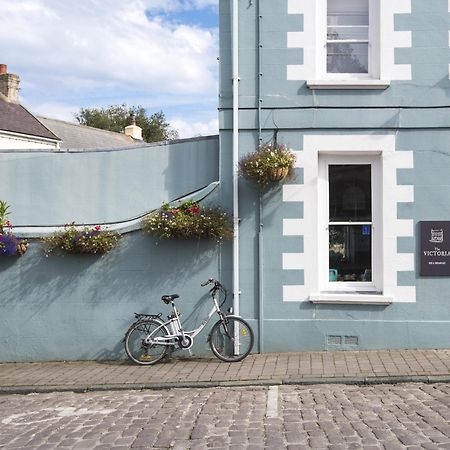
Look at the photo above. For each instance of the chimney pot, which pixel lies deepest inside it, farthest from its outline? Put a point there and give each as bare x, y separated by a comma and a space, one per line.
3, 68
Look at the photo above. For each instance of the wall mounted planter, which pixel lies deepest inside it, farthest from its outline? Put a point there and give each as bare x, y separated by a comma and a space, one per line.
188, 220
87, 240
10, 245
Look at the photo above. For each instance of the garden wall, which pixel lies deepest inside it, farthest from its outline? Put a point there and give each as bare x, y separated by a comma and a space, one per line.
76, 307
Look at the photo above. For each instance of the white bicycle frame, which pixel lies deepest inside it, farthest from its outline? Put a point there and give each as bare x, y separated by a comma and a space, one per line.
170, 339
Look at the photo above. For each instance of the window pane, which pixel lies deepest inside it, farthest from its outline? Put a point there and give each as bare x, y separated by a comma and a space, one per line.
347, 58
350, 253
350, 193
340, 33
347, 19
349, 7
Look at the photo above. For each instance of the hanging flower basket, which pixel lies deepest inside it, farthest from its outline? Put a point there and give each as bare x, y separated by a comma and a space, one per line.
270, 163
88, 240
189, 220
10, 245
278, 173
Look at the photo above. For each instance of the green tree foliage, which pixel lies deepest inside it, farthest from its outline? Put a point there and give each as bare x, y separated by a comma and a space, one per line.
116, 117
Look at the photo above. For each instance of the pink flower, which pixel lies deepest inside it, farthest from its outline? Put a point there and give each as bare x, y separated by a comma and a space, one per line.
97, 228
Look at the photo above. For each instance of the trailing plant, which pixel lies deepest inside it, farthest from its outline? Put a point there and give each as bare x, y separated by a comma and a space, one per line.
10, 245
271, 162
94, 240
4, 213
188, 220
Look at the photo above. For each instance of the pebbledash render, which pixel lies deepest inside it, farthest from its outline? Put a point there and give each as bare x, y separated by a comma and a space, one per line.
359, 90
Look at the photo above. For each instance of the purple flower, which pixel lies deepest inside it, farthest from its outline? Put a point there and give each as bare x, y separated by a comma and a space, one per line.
8, 245
86, 234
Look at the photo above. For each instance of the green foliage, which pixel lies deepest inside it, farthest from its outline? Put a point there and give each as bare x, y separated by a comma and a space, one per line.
86, 240
4, 213
259, 166
116, 117
9, 244
189, 220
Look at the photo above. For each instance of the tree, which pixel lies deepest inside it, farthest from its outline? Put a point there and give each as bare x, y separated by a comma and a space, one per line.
116, 117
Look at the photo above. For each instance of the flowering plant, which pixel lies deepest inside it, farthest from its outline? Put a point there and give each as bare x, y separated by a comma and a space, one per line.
189, 220
10, 245
271, 162
85, 240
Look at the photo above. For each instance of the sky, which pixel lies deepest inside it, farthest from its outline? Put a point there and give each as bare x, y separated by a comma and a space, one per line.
72, 54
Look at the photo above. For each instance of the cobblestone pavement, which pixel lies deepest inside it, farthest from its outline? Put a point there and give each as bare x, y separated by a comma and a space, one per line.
334, 417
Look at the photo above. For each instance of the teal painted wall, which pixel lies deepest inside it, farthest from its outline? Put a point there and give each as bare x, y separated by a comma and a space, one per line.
72, 307
429, 57
416, 112
51, 188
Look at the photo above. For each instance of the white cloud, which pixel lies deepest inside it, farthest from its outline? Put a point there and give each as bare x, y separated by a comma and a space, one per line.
98, 52
198, 128
55, 111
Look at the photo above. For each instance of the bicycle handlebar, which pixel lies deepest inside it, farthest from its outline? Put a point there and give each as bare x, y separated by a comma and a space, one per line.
210, 281
217, 287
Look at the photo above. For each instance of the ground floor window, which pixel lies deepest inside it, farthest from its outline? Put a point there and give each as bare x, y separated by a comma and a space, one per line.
350, 212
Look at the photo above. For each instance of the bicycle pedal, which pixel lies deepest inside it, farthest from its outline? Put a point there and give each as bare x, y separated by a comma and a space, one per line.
145, 358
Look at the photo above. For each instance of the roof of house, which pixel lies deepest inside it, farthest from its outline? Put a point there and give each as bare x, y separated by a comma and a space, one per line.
74, 136
17, 119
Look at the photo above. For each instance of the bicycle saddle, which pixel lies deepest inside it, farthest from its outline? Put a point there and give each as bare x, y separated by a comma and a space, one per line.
168, 298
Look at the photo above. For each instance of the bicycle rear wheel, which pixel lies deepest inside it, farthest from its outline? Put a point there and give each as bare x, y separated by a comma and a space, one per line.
231, 339
139, 351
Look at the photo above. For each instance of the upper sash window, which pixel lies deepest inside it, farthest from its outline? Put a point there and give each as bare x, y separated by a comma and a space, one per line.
348, 36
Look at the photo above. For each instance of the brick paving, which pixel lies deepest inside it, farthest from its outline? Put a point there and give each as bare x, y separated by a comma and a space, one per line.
279, 368
334, 417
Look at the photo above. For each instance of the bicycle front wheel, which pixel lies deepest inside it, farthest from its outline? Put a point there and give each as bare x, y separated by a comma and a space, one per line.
231, 339
138, 350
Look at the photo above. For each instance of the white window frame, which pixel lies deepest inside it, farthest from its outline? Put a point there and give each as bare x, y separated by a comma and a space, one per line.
376, 285
370, 80
374, 45
314, 258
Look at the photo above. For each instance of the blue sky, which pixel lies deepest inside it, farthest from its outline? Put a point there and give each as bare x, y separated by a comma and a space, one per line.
94, 53
205, 17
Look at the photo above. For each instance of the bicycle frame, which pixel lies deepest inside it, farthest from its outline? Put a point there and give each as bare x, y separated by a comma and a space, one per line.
171, 339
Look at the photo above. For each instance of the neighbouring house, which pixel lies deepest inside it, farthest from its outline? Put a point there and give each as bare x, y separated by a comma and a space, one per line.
353, 252
19, 129
75, 136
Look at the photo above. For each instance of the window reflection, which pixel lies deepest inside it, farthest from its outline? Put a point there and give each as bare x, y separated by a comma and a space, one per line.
350, 253
348, 36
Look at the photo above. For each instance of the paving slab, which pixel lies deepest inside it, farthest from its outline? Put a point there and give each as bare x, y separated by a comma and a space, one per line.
348, 367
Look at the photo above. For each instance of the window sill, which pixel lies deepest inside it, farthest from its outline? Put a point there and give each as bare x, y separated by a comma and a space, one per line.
351, 298
348, 84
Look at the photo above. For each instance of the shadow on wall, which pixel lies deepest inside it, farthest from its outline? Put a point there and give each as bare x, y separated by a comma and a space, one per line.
140, 266
79, 306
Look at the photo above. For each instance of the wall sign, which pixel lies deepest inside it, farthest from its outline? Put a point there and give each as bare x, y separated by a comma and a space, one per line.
435, 249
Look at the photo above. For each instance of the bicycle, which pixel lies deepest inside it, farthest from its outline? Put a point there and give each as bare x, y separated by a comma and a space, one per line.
150, 338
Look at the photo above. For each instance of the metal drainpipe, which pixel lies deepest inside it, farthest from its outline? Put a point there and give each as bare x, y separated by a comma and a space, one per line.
235, 62
261, 226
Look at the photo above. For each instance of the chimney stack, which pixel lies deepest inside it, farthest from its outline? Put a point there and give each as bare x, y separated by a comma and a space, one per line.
9, 84
133, 130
